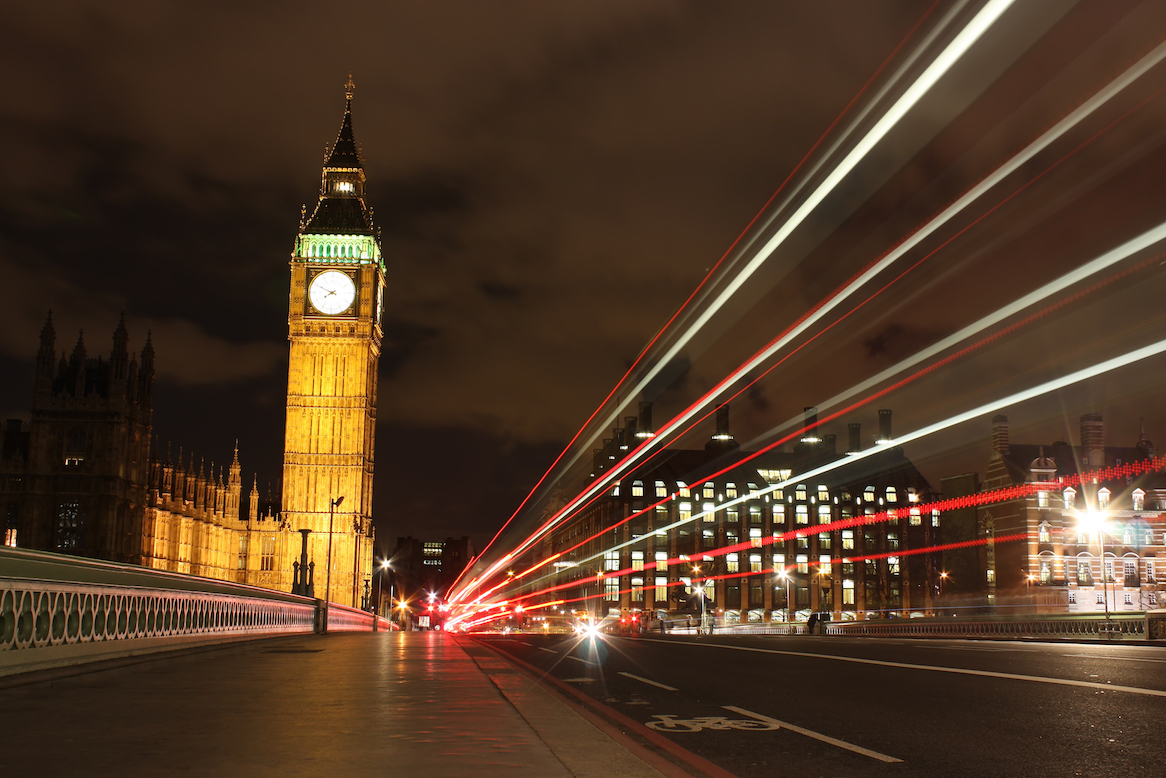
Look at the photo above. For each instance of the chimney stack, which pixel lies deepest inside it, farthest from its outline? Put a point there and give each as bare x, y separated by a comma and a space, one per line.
810, 433
855, 431
1000, 435
831, 443
1092, 440
723, 423
885, 425
646, 430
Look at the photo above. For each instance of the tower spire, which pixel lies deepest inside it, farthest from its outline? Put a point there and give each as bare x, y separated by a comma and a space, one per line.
349, 87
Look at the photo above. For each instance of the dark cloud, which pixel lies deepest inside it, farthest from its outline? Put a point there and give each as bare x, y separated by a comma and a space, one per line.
552, 180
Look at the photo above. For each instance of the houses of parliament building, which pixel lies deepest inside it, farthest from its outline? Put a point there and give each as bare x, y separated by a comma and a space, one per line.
84, 477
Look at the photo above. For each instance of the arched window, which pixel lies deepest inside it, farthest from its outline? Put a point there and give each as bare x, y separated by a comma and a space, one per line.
1139, 500
1103, 498
1069, 496
892, 495
1043, 533
637, 488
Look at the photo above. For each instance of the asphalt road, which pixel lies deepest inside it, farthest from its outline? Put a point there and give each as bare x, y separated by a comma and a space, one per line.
832, 706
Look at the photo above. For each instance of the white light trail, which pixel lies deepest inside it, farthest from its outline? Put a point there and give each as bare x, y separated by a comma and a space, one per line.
1018, 397
1009, 167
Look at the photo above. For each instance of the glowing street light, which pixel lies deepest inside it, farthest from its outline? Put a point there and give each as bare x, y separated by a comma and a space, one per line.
1094, 521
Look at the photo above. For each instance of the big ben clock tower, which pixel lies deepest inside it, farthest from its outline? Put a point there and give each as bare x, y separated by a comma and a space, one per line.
334, 325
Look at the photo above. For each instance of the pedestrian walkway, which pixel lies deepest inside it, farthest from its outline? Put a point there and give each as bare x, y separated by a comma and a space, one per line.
312, 705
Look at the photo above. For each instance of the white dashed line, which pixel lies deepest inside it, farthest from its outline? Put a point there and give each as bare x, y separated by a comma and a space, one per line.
650, 681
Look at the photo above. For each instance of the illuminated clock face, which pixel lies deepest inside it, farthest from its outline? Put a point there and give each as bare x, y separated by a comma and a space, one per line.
332, 292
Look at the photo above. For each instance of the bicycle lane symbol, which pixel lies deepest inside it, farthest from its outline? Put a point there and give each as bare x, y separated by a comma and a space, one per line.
670, 723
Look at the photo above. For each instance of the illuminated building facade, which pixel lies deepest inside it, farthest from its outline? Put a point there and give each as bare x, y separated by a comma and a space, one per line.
805, 570
334, 326
81, 479
1064, 564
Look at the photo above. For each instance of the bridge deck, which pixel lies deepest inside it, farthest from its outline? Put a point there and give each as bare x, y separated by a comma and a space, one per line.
345, 704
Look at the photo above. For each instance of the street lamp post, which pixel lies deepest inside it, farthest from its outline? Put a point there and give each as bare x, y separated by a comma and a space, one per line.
942, 581
1095, 521
332, 506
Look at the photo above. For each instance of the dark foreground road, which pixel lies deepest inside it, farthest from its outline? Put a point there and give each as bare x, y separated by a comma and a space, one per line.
826, 706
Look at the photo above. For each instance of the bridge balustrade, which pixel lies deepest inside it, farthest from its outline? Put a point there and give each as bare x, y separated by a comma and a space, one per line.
58, 610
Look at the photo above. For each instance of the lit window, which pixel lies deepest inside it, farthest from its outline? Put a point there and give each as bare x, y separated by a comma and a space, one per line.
343, 186
779, 562
1043, 533
868, 494
755, 537
824, 540
637, 488
779, 515
637, 560
10, 537
893, 565
684, 490
1042, 499
1139, 500
892, 541
823, 493
802, 514
709, 511
1108, 571
1130, 570
661, 588
730, 491
684, 512
847, 540
912, 495
892, 495
611, 589
610, 560
754, 514
661, 489
848, 591
803, 562
800, 492
1069, 496
755, 563
661, 561
732, 563
824, 564
915, 518
1103, 498
267, 558
1084, 572
707, 538
1046, 572
823, 514
709, 491
615, 490
934, 518
637, 588
733, 514
1150, 571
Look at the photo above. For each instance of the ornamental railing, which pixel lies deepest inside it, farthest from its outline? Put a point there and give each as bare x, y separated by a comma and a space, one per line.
58, 610
1126, 627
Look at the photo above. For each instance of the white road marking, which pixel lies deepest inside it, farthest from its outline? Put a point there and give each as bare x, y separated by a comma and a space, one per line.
1120, 658
815, 735
579, 680
907, 666
540, 648
523, 642
584, 661
650, 681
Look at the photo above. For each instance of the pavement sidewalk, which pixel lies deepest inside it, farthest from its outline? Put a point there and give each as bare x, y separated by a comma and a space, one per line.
310, 705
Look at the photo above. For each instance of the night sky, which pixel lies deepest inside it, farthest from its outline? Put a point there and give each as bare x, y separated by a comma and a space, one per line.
552, 180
